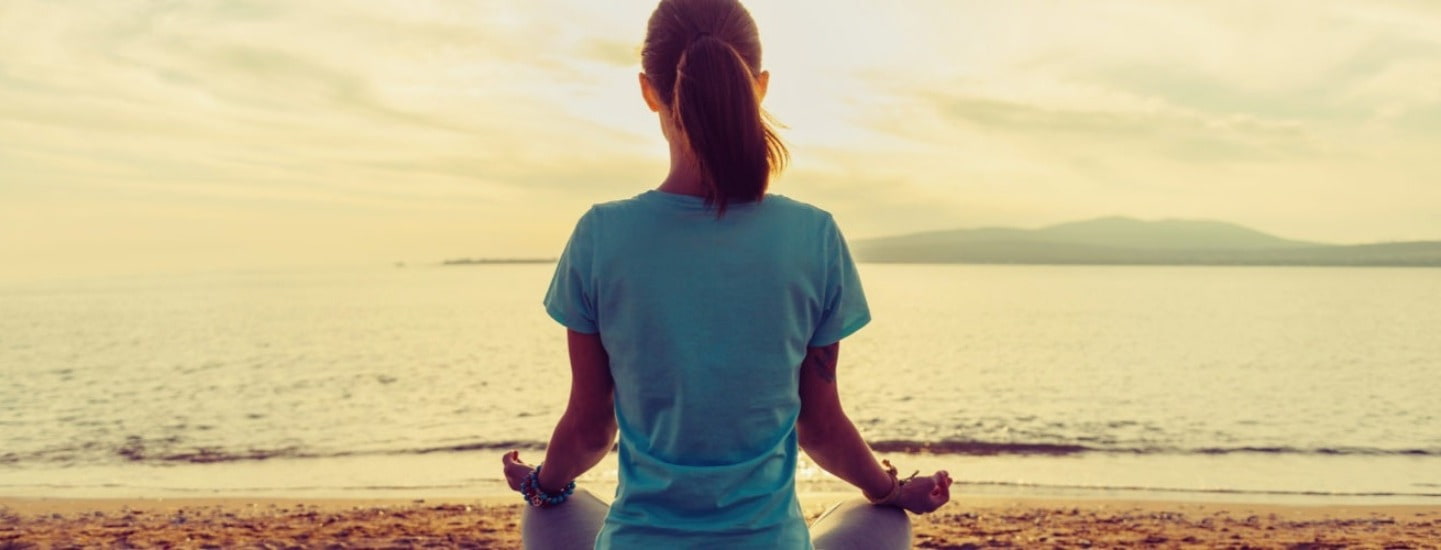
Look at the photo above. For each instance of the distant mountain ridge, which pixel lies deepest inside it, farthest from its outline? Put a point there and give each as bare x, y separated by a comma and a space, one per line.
1124, 240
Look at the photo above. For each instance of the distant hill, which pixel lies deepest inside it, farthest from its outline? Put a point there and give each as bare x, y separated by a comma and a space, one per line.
1121, 240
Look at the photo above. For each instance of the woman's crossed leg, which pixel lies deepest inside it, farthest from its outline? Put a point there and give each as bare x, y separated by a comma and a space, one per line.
853, 524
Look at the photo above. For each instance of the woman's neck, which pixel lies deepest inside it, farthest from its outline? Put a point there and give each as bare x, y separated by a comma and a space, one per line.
684, 177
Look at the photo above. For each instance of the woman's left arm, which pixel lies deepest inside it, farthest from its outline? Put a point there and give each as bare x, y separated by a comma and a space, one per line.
586, 432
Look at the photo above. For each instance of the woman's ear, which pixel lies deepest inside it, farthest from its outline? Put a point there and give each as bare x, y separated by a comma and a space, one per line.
647, 91
763, 81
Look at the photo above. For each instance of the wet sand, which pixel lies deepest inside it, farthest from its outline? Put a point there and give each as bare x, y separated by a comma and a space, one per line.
976, 522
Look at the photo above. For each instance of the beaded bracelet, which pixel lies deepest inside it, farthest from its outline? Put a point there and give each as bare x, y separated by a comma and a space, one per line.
896, 484
537, 497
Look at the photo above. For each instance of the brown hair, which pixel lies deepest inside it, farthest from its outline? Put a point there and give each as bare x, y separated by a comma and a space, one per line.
703, 56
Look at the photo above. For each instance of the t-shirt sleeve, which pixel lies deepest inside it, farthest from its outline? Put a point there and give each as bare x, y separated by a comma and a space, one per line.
844, 310
571, 297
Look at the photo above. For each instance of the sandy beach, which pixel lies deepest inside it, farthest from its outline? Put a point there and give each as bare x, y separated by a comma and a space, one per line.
974, 522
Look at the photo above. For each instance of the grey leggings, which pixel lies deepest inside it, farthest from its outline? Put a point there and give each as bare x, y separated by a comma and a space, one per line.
853, 524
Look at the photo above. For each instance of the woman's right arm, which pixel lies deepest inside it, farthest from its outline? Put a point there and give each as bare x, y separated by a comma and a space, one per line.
832, 441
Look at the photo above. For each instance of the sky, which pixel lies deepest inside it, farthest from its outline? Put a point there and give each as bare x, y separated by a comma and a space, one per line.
146, 136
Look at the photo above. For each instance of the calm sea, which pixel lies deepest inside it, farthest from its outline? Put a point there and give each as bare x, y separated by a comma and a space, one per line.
1180, 382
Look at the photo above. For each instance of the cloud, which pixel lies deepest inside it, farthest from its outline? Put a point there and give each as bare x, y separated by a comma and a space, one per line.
186, 87
618, 53
1229, 110
485, 127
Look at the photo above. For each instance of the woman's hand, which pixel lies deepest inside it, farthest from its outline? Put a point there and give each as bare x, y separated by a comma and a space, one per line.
515, 470
925, 494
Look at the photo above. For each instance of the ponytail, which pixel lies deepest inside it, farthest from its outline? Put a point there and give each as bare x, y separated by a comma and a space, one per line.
718, 111
710, 76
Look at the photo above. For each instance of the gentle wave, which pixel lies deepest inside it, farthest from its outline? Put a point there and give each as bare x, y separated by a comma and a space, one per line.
136, 450
977, 448
990, 448
1219, 491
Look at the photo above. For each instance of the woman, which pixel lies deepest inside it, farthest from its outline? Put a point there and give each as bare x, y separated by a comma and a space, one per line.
704, 323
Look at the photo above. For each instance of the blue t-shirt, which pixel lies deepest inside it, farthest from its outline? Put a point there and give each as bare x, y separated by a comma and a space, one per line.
706, 322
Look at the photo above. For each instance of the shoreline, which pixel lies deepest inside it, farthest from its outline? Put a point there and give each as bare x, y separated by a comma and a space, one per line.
492, 522
1286, 480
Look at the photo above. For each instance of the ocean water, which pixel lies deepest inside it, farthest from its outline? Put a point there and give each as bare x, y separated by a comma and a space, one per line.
1179, 382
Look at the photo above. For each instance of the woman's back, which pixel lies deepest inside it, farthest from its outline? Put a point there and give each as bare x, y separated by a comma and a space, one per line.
705, 387
691, 311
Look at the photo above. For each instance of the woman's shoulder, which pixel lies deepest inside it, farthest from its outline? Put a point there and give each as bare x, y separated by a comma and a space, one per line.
650, 201
614, 208
798, 208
